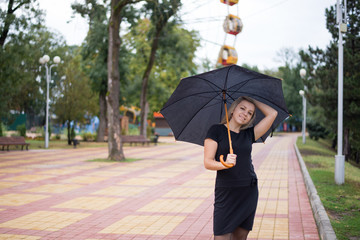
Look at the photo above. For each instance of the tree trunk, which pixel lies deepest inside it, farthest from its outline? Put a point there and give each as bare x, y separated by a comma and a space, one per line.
69, 132
114, 139
347, 144
145, 81
334, 141
102, 118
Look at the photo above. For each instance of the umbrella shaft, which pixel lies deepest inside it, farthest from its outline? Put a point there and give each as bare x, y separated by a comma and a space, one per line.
228, 128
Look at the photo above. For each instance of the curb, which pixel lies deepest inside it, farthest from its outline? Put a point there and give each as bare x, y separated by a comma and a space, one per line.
326, 231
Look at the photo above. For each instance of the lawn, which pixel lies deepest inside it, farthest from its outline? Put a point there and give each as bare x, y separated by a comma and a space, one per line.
341, 202
63, 144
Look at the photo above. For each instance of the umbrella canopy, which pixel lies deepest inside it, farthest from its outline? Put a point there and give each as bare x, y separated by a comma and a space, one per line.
198, 101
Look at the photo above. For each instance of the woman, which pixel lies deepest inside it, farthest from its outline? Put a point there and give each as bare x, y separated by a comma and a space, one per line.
236, 192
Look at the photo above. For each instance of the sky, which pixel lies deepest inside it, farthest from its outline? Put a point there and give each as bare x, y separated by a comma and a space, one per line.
269, 26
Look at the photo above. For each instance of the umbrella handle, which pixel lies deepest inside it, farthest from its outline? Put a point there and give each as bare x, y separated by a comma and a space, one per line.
228, 165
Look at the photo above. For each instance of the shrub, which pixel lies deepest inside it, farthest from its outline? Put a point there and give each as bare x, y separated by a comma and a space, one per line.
22, 130
316, 131
86, 136
73, 134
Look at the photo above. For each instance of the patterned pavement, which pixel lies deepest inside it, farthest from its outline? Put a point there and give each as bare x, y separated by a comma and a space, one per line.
167, 194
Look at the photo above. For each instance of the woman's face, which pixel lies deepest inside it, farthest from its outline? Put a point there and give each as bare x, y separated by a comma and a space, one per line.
243, 112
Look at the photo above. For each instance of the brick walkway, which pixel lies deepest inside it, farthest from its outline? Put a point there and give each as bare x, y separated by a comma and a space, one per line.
57, 194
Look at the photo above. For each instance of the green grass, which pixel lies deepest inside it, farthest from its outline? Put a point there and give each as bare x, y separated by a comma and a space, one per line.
342, 202
62, 144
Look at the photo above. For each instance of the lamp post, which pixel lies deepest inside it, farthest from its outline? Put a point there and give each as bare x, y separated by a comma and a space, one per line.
340, 158
44, 60
302, 93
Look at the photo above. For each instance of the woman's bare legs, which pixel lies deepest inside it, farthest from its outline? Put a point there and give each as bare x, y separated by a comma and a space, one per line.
223, 237
240, 234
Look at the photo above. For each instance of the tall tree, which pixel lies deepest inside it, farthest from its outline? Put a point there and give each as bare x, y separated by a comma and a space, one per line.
114, 130
74, 101
323, 87
94, 51
160, 12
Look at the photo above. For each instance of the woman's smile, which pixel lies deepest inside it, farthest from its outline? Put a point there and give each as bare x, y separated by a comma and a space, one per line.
243, 112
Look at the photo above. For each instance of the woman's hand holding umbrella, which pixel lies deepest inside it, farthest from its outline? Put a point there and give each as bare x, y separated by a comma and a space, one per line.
230, 160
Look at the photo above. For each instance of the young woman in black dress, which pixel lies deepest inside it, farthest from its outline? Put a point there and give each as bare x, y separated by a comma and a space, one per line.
236, 191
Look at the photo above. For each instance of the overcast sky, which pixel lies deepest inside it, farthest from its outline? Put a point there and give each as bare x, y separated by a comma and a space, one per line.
269, 25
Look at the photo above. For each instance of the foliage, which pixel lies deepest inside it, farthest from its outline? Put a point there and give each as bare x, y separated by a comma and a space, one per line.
341, 202
87, 136
291, 86
16, 17
174, 61
316, 131
323, 86
74, 100
22, 130
73, 133
94, 48
22, 84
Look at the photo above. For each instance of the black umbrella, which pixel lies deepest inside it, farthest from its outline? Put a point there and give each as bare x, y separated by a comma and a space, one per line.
198, 101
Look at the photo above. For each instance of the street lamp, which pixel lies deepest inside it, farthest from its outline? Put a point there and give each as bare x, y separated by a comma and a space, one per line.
302, 93
43, 61
340, 158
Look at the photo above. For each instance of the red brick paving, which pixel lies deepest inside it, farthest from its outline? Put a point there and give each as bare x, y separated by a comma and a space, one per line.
293, 207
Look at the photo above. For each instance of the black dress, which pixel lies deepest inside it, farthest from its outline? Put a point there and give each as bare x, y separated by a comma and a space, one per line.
236, 191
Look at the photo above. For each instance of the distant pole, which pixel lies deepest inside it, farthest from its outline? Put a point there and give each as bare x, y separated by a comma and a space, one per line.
340, 158
47, 107
302, 93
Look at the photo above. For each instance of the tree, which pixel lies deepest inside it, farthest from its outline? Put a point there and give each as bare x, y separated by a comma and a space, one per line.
323, 87
161, 12
22, 85
94, 52
291, 83
174, 60
10, 20
112, 96
74, 100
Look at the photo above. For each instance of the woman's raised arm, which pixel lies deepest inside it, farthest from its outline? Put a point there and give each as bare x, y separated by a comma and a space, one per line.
264, 125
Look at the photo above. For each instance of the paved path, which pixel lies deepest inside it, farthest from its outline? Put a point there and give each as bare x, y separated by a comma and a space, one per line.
57, 194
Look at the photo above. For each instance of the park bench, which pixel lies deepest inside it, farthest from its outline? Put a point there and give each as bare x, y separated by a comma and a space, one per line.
135, 139
13, 141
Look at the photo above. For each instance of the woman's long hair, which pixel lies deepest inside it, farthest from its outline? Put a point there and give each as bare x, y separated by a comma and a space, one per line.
232, 108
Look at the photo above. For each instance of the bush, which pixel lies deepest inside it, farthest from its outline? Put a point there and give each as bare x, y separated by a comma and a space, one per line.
86, 136
22, 130
1, 130
316, 131
73, 134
